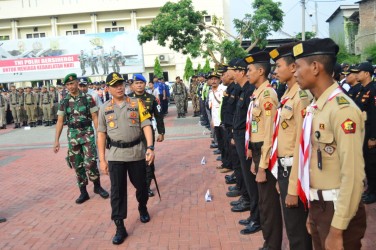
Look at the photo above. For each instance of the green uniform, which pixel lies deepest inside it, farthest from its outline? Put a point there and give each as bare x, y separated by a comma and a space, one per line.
82, 152
195, 101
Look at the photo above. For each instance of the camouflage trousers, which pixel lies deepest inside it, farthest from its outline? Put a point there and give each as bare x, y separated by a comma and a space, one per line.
83, 158
195, 103
179, 101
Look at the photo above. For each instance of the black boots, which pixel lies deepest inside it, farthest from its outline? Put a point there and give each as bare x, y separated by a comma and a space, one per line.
195, 114
84, 196
99, 190
121, 233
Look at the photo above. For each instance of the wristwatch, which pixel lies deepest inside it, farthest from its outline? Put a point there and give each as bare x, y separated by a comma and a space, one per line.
150, 147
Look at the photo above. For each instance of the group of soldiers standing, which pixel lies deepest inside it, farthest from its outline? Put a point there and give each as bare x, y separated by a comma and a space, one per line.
303, 155
113, 59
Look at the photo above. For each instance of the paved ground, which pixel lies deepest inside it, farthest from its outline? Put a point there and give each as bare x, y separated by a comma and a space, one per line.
38, 192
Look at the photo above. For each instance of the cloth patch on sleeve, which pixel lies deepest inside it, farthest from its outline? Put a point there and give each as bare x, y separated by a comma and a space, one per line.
349, 127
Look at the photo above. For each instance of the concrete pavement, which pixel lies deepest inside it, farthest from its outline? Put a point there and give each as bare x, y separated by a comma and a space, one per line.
38, 191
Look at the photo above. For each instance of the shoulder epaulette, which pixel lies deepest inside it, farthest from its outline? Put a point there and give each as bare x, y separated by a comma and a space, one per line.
341, 100
266, 93
303, 94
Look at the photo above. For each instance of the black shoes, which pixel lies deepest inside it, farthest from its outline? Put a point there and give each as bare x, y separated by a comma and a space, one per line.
144, 217
251, 228
150, 193
232, 188
99, 190
214, 145
242, 207
2, 220
233, 193
121, 233
84, 196
230, 181
245, 222
369, 198
217, 152
219, 158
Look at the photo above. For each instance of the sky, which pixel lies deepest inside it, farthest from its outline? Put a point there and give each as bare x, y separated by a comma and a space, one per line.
293, 14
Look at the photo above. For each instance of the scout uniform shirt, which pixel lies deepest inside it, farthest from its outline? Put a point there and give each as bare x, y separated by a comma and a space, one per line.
292, 116
30, 99
340, 126
264, 109
13, 98
45, 98
124, 123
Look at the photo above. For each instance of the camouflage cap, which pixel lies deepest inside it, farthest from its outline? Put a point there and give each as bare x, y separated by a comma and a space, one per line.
70, 77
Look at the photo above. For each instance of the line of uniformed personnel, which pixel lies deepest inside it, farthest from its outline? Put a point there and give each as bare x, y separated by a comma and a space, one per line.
303, 157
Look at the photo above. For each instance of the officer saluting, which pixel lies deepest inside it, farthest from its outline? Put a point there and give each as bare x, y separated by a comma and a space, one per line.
286, 137
122, 120
331, 166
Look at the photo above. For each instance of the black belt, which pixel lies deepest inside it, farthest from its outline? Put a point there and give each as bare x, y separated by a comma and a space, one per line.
83, 124
46, 103
29, 104
55, 102
119, 144
178, 94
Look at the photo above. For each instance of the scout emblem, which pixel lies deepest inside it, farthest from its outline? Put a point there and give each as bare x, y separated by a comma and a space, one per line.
349, 126
111, 124
329, 149
284, 125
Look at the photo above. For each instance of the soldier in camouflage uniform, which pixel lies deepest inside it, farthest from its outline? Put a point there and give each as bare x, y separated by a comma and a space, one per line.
152, 105
38, 110
83, 58
115, 56
195, 100
21, 106
94, 63
179, 96
55, 98
80, 112
30, 104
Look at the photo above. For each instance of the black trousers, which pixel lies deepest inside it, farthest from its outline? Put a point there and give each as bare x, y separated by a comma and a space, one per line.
370, 165
118, 175
295, 218
248, 178
230, 158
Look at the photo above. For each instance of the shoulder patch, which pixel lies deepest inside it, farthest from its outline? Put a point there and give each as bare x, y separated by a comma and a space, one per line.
266, 93
303, 94
342, 100
348, 126
268, 106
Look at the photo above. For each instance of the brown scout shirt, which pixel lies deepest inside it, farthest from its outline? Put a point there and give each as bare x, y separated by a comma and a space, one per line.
264, 110
290, 124
341, 126
30, 99
124, 123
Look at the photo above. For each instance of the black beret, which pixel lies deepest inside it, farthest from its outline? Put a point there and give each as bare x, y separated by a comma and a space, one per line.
282, 51
113, 78
259, 57
315, 46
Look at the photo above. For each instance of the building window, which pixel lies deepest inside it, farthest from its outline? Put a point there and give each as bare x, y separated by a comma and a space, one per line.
207, 19
74, 32
35, 35
3, 38
114, 29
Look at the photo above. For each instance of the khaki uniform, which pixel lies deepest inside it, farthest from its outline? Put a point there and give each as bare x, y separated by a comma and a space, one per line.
3, 107
30, 104
264, 109
46, 102
55, 104
340, 125
291, 120
38, 110
14, 100
21, 106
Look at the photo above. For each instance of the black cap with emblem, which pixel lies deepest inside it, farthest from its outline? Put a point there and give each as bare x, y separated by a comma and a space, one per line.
113, 78
314, 47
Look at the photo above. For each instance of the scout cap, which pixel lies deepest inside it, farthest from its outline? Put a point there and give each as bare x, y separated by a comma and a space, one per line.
113, 78
83, 81
259, 57
36, 88
314, 47
139, 77
70, 77
282, 51
214, 74
365, 66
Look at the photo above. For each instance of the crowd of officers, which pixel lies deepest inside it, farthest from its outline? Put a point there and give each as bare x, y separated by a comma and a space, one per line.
302, 149
36, 106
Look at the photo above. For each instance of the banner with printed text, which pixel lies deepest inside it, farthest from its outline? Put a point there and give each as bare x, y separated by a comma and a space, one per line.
54, 57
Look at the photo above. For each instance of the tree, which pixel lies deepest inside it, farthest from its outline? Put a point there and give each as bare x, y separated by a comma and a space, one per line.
370, 52
185, 30
308, 35
344, 55
206, 68
199, 70
188, 69
158, 71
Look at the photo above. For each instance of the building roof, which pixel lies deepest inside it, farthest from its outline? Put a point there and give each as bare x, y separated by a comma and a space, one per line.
340, 8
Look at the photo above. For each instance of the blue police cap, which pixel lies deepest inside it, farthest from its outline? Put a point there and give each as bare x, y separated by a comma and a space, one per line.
139, 77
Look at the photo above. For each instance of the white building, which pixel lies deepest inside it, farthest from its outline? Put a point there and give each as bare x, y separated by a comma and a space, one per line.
22, 19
